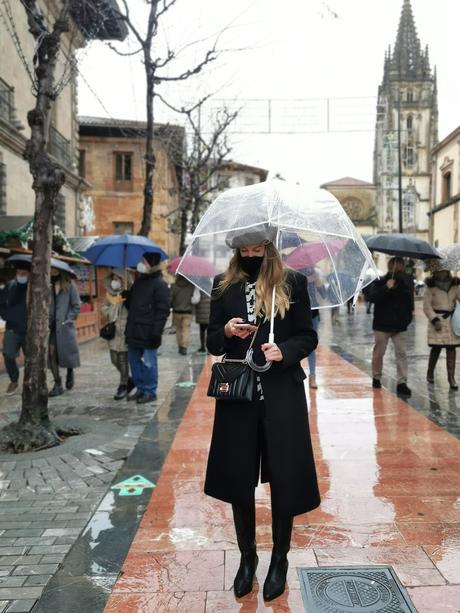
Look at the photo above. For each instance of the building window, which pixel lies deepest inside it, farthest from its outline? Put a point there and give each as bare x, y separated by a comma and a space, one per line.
409, 122
123, 167
446, 186
59, 212
410, 97
82, 163
249, 180
2, 188
409, 155
123, 227
408, 207
223, 181
59, 147
6, 102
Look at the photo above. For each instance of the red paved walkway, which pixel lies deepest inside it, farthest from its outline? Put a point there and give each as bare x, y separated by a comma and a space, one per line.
390, 481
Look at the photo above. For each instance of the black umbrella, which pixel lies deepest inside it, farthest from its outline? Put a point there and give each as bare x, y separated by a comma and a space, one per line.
402, 245
24, 257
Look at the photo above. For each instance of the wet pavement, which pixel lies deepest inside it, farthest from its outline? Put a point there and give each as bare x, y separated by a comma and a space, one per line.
388, 470
390, 484
47, 498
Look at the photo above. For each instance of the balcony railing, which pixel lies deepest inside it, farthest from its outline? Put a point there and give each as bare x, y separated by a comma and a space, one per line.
6, 102
59, 147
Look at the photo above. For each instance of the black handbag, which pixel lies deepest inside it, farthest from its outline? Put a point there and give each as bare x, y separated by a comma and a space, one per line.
233, 379
107, 332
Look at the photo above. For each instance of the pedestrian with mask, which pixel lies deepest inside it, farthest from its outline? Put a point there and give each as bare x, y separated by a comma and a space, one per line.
181, 302
393, 299
442, 293
148, 303
115, 311
270, 433
63, 345
13, 309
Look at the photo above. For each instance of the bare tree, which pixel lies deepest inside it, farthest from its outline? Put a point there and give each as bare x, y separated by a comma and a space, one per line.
208, 149
34, 429
153, 78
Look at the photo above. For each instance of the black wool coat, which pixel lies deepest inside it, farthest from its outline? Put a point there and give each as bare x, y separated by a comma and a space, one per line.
393, 307
285, 445
148, 303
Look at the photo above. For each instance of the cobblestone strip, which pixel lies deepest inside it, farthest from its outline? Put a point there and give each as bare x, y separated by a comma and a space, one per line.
44, 506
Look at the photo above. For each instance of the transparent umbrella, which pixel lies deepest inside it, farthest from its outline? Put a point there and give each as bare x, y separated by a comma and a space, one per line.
293, 218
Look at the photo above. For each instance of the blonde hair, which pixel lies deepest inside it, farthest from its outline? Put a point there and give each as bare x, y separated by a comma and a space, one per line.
272, 273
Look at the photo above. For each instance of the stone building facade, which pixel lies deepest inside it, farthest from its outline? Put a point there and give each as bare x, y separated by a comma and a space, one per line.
16, 98
445, 191
358, 199
407, 114
112, 162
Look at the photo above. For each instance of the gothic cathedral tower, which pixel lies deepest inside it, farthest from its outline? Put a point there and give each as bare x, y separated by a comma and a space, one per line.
407, 114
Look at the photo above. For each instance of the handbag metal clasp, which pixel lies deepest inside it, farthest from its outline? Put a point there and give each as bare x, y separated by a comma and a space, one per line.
223, 388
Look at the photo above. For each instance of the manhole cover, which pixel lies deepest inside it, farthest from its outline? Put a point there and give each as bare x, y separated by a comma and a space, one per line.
352, 589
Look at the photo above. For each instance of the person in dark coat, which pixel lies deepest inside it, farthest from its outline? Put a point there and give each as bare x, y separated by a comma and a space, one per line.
202, 313
272, 431
393, 299
13, 309
148, 303
181, 303
63, 345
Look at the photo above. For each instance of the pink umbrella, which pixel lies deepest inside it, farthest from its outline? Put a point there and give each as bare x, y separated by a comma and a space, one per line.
308, 254
193, 265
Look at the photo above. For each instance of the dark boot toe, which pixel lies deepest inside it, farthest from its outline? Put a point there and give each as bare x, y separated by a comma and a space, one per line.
244, 578
275, 583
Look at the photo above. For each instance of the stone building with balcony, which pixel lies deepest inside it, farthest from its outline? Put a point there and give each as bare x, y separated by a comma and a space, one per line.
17, 46
112, 162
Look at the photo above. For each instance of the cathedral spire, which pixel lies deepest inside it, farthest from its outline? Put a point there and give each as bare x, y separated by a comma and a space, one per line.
408, 60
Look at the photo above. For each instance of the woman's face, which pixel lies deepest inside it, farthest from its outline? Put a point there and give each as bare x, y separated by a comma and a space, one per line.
253, 251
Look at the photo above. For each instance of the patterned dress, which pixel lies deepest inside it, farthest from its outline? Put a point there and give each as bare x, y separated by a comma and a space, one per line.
252, 319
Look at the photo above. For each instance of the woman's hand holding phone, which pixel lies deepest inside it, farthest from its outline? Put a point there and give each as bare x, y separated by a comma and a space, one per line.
238, 327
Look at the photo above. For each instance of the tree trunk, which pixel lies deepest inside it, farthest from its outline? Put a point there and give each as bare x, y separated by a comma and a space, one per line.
146, 224
34, 429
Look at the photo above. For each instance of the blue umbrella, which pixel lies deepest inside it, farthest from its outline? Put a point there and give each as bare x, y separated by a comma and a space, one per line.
121, 251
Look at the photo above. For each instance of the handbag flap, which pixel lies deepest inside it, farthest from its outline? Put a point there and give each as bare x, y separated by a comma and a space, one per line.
226, 372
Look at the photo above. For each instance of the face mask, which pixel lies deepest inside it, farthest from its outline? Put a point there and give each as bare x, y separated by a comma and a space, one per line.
21, 280
251, 264
115, 285
142, 268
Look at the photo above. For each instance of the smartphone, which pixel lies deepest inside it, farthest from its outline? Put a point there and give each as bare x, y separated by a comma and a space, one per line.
244, 324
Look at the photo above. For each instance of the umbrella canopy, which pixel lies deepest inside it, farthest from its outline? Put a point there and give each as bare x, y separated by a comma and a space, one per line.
55, 263
308, 254
291, 217
193, 264
121, 251
402, 245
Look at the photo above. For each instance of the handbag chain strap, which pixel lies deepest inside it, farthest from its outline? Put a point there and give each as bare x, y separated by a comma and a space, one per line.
244, 361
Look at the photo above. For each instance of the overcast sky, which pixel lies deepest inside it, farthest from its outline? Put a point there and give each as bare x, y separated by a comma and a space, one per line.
288, 51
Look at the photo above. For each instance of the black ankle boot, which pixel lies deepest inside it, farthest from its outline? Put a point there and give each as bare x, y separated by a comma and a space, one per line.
275, 583
245, 527
70, 379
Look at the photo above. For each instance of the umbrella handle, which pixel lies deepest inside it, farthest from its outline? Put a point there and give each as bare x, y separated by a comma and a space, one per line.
255, 366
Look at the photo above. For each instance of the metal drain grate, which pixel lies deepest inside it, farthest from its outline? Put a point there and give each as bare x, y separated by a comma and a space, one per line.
353, 589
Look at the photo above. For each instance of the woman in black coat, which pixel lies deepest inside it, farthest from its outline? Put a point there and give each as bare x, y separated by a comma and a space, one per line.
270, 433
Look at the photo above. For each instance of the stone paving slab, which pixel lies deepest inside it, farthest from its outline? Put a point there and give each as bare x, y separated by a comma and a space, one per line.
48, 497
